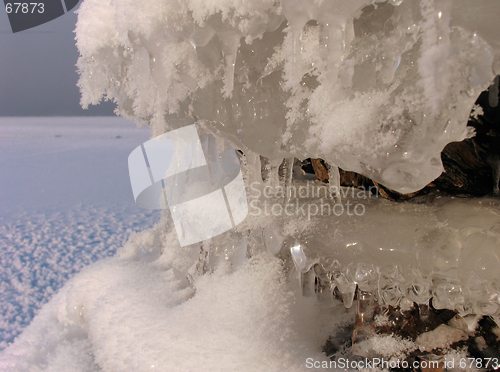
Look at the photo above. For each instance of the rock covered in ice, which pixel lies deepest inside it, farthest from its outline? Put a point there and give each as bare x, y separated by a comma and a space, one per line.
374, 87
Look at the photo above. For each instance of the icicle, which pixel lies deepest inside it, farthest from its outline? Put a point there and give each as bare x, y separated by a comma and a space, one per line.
223, 250
230, 41
201, 36
272, 239
323, 280
364, 326
255, 243
237, 252
366, 276
447, 294
201, 266
251, 170
307, 281
334, 181
270, 173
274, 179
493, 92
390, 294
345, 287
296, 73
435, 36
287, 178
418, 289
303, 257
297, 15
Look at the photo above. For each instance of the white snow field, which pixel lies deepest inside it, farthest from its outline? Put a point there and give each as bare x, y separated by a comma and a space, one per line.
65, 202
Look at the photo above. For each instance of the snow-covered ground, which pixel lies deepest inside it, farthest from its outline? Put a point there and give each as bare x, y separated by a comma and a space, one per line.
65, 202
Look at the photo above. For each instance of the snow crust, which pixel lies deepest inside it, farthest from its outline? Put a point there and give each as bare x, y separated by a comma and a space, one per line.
374, 87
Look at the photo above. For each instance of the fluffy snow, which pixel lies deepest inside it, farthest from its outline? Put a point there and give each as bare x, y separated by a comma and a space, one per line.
131, 315
65, 202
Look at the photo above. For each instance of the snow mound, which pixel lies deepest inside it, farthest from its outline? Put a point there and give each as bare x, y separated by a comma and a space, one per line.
129, 314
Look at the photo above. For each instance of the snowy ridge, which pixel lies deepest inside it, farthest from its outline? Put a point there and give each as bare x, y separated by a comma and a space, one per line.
128, 314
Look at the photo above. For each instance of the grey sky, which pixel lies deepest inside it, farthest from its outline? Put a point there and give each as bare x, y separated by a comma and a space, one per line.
37, 70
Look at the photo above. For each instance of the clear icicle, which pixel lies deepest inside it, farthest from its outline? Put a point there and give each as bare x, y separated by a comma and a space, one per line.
230, 41
334, 181
296, 56
251, 168
255, 243
274, 178
345, 287
201, 266
237, 252
364, 325
323, 282
221, 250
307, 281
272, 239
271, 173
287, 167
303, 257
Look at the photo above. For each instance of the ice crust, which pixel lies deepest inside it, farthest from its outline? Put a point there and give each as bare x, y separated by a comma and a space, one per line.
373, 87
446, 250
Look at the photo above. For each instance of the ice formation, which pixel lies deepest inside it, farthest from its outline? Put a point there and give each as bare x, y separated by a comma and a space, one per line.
375, 87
